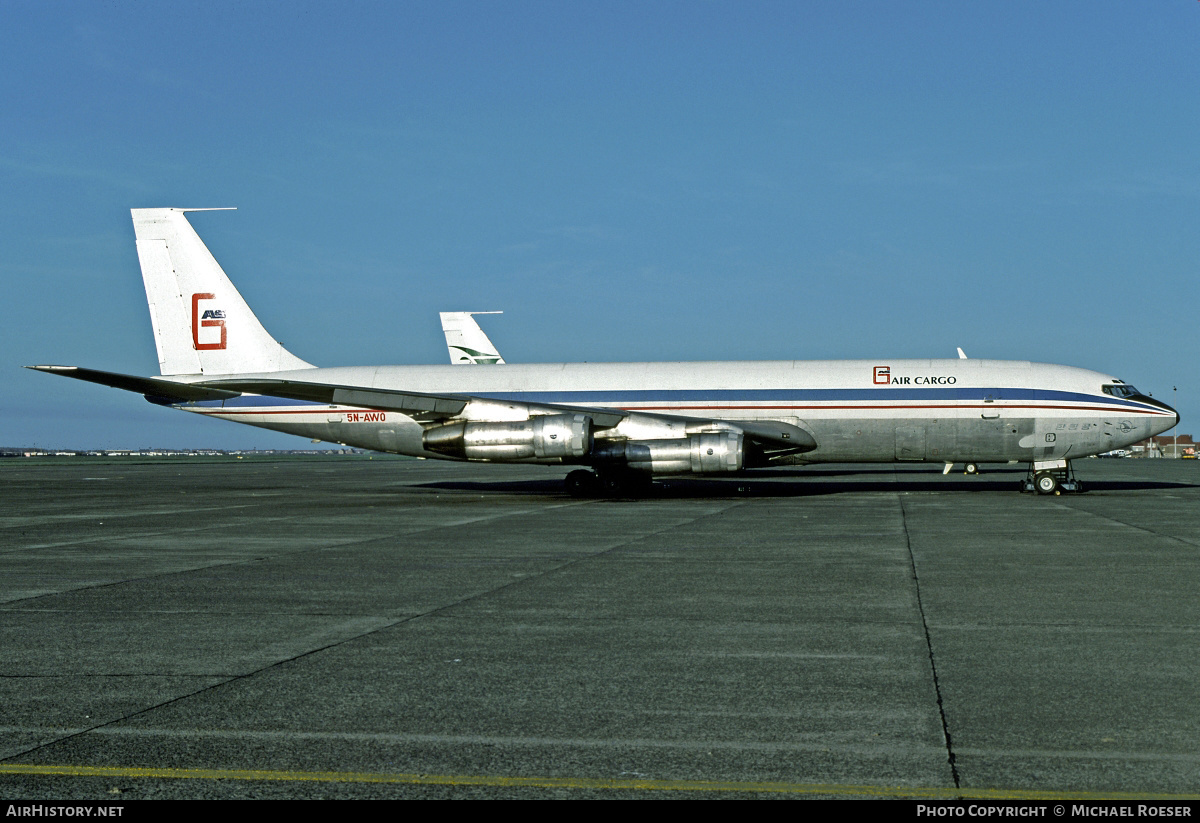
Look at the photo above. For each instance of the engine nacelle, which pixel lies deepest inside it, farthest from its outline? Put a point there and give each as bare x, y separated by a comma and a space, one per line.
544, 437
704, 453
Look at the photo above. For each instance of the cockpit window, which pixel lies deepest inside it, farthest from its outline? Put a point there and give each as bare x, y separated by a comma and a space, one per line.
1121, 390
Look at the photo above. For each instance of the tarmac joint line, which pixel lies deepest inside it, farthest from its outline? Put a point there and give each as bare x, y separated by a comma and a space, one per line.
937, 687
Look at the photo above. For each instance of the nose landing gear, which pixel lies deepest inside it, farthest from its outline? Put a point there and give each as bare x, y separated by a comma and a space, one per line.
1051, 477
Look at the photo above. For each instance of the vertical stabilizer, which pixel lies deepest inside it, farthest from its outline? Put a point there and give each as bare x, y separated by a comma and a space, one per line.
466, 342
202, 325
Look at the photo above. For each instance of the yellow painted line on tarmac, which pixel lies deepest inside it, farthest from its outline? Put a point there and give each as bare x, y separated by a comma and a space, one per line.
497, 781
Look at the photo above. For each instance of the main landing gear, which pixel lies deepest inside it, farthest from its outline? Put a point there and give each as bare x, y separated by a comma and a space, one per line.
583, 483
1051, 477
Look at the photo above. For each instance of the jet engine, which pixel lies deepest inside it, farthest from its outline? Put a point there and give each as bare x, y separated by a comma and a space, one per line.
544, 437
704, 453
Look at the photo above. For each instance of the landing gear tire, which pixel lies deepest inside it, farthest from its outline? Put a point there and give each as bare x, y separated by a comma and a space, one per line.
612, 485
1046, 483
581, 484
971, 468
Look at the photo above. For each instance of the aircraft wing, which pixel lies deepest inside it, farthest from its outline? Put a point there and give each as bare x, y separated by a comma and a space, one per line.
770, 435
429, 406
436, 405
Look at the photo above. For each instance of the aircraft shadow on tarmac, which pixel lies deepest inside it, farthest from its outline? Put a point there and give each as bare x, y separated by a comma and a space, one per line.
810, 483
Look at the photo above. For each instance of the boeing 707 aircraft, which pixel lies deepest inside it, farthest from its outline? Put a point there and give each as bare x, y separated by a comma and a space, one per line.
622, 423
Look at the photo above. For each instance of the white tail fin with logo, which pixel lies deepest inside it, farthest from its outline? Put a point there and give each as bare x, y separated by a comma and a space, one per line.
202, 325
466, 342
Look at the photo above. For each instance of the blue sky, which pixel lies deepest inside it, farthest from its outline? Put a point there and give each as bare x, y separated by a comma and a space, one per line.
627, 181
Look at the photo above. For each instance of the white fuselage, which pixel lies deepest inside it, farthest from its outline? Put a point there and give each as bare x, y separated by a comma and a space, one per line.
856, 410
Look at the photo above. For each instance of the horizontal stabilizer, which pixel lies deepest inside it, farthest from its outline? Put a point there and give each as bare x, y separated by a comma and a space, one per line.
149, 386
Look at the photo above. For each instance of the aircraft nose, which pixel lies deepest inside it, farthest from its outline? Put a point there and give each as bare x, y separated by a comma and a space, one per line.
1167, 421
1159, 423
1175, 421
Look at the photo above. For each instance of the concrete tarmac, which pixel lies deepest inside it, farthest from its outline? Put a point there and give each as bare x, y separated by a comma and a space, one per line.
352, 627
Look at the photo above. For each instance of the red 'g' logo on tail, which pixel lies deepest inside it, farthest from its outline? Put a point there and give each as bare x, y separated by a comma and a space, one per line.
211, 317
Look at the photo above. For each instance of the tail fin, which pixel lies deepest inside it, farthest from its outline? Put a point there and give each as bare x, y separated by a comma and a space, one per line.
202, 325
466, 341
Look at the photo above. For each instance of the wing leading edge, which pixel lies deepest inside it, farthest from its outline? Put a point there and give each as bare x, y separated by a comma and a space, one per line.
454, 422
771, 436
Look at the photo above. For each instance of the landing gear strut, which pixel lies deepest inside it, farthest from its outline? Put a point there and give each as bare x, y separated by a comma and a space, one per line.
1051, 477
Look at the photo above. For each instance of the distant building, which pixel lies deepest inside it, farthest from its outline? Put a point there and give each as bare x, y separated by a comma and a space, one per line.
1165, 446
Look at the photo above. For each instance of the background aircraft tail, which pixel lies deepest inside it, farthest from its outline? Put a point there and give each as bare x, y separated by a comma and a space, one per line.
202, 325
466, 342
